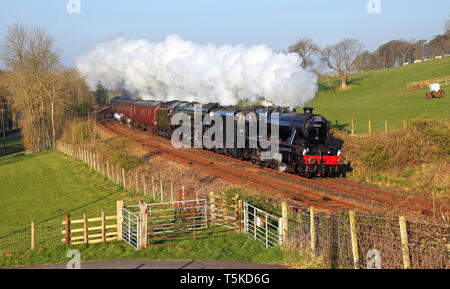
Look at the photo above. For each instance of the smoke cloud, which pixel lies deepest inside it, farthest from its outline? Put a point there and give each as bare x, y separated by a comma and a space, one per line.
183, 70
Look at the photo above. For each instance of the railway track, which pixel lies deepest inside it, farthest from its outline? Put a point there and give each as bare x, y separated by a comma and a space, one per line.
328, 196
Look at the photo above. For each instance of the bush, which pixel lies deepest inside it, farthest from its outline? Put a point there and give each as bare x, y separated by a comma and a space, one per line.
437, 133
83, 131
376, 158
118, 149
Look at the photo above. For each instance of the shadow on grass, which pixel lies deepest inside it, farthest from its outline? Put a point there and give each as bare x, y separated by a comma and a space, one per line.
16, 232
333, 85
13, 143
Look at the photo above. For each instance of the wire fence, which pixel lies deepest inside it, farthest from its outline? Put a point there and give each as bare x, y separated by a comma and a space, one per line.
46, 234
362, 126
19, 239
428, 244
443, 81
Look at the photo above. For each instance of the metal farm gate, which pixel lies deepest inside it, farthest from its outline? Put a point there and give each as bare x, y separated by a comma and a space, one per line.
170, 222
130, 225
167, 223
177, 220
262, 226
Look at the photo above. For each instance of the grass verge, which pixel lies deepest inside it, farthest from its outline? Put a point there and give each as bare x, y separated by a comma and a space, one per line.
232, 248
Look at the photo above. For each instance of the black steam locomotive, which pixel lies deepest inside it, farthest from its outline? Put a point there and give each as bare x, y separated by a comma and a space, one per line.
302, 136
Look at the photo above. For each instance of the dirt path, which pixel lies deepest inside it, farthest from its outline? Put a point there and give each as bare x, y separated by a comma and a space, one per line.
159, 264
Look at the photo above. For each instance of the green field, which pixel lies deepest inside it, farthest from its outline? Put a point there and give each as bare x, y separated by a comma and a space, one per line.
381, 95
45, 186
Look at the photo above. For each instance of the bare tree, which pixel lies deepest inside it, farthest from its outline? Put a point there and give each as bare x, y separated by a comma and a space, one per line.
404, 50
30, 54
306, 49
418, 49
361, 62
339, 57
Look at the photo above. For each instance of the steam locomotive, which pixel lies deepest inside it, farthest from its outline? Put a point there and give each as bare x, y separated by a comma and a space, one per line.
302, 136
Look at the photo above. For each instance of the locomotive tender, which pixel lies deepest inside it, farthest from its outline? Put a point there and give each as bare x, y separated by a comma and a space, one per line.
301, 136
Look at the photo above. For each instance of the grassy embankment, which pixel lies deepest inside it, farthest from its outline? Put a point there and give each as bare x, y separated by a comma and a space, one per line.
381, 95
415, 159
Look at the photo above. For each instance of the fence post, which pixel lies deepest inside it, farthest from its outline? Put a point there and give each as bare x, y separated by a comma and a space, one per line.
67, 229
285, 216
404, 124
385, 126
123, 179
313, 231
103, 227
137, 183
239, 216
370, 127
144, 184
33, 235
193, 216
213, 205
171, 191
245, 209
354, 237
143, 224
119, 205
404, 238
153, 188
161, 187
85, 223
107, 169
236, 209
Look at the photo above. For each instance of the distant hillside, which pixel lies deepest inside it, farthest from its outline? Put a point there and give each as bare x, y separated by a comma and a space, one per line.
381, 95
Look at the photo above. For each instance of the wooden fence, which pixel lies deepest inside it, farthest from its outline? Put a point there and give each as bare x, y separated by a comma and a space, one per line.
443, 81
93, 230
351, 236
369, 126
133, 181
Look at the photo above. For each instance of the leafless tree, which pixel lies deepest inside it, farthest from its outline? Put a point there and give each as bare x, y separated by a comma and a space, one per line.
30, 54
418, 49
306, 49
339, 57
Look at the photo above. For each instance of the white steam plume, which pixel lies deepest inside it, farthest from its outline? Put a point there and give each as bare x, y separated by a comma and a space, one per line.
183, 70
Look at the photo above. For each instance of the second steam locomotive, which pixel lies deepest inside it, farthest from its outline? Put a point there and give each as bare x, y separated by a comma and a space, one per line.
302, 136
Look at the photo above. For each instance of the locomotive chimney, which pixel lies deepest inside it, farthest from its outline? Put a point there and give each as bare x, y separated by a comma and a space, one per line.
308, 110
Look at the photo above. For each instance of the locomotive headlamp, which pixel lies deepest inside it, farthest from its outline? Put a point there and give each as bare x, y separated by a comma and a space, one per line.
304, 152
339, 152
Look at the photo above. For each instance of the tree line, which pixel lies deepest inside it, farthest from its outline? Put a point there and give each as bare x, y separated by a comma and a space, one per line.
348, 56
39, 93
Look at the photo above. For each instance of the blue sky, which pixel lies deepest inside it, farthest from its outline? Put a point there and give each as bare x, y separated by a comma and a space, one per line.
276, 23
